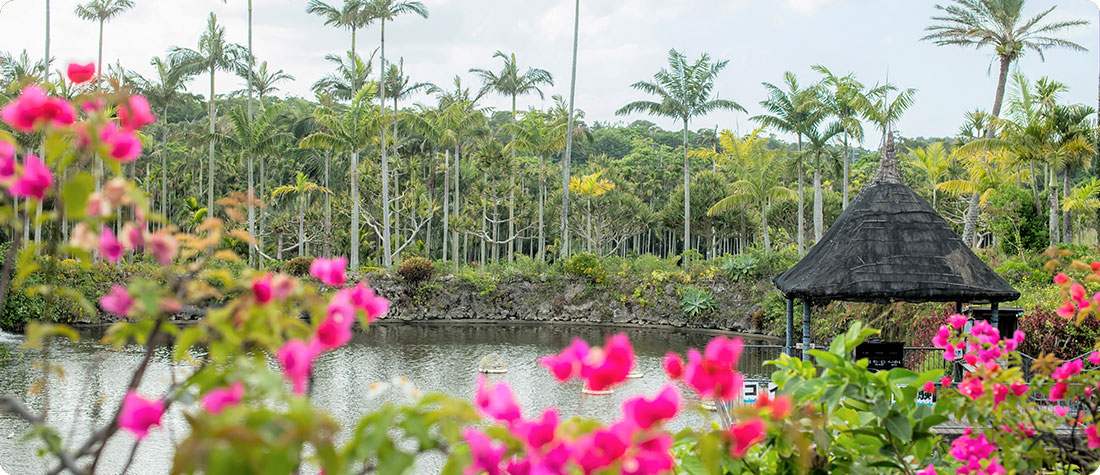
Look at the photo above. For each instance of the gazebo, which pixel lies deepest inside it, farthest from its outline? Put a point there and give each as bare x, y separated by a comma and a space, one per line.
889, 245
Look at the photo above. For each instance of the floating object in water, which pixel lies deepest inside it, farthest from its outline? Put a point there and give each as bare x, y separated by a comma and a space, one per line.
635, 374
492, 363
708, 405
593, 392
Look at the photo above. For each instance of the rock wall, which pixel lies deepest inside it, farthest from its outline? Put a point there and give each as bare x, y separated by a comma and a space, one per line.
573, 301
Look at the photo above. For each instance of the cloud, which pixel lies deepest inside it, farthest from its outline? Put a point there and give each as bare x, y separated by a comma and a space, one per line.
808, 7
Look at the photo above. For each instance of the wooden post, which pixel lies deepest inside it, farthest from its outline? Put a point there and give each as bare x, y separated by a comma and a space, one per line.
994, 309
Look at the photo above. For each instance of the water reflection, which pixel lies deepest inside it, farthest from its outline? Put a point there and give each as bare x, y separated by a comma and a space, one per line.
90, 380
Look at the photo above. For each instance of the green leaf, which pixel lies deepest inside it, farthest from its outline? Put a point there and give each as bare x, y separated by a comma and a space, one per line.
75, 195
900, 427
37, 332
186, 339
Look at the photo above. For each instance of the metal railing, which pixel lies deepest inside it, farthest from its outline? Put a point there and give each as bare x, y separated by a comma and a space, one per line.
751, 365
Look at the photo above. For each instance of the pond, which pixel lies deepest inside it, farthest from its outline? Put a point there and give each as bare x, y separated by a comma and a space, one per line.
435, 357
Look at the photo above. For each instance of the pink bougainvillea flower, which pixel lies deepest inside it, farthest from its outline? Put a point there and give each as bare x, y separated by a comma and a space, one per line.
714, 374
281, 286
567, 364
1058, 391
603, 368
674, 365
972, 387
1018, 388
1061, 411
164, 247
33, 107
780, 406
929, 387
133, 236
1094, 438
81, 73
217, 399
957, 320
645, 413
1061, 279
744, 435
117, 301
1067, 310
945, 381
334, 332
135, 113
296, 358
929, 470
497, 401
364, 298
331, 272
538, 433
261, 289
976, 453
1068, 370
1094, 358
601, 448
485, 456
83, 237
1000, 392
34, 181
7, 163
138, 414
650, 457
123, 145
109, 247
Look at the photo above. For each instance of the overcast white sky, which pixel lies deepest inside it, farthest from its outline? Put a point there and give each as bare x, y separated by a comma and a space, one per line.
620, 42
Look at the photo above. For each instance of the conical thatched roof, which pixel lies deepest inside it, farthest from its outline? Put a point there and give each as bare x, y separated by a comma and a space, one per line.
890, 245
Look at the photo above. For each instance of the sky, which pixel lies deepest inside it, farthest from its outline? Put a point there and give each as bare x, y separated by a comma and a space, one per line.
621, 42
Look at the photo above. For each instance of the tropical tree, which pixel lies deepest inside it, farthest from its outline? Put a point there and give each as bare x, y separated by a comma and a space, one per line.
684, 91
999, 24
843, 98
760, 186
351, 72
510, 83
567, 158
302, 189
101, 12
251, 138
264, 82
817, 143
882, 111
590, 186
161, 91
933, 162
350, 15
383, 11
540, 134
350, 130
985, 174
214, 53
795, 110
1084, 199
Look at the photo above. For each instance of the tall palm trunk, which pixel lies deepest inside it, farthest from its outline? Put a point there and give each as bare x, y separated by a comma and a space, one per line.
819, 213
568, 158
542, 201
164, 163
210, 174
328, 208
847, 174
354, 241
1067, 223
1002, 80
263, 214
99, 60
801, 203
512, 191
457, 201
1052, 223
301, 223
251, 183
971, 220
446, 200
687, 190
387, 259
764, 221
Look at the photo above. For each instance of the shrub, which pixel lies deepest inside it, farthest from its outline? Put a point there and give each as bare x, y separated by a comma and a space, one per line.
741, 266
416, 269
298, 266
1048, 333
696, 302
1017, 272
586, 265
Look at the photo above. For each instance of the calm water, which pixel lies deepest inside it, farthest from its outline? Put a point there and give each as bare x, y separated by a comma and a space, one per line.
436, 357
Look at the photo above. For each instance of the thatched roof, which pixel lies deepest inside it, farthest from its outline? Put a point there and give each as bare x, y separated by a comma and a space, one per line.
890, 245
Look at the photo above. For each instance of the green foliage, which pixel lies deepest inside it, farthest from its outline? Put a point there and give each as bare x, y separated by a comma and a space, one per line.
298, 266
696, 302
416, 270
586, 265
1018, 272
739, 267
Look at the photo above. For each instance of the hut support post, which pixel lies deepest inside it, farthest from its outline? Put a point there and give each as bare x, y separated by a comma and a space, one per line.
805, 330
994, 309
789, 349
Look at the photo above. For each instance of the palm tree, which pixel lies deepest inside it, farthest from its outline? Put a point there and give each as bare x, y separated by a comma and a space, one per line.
590, 186
264, 82
999, 24
350, 15
685, 91
933, 163
759, 186
985, 175
349, 75
794, 110
102, 11
843, 99
510, 83
253, 138
817, 142
567, 159
214, 54
302, 187
350, 130
877, 107
1082, 200
383, 11
539, 134
163, 90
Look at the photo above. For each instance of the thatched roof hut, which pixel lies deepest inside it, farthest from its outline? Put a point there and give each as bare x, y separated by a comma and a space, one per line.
890, 245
